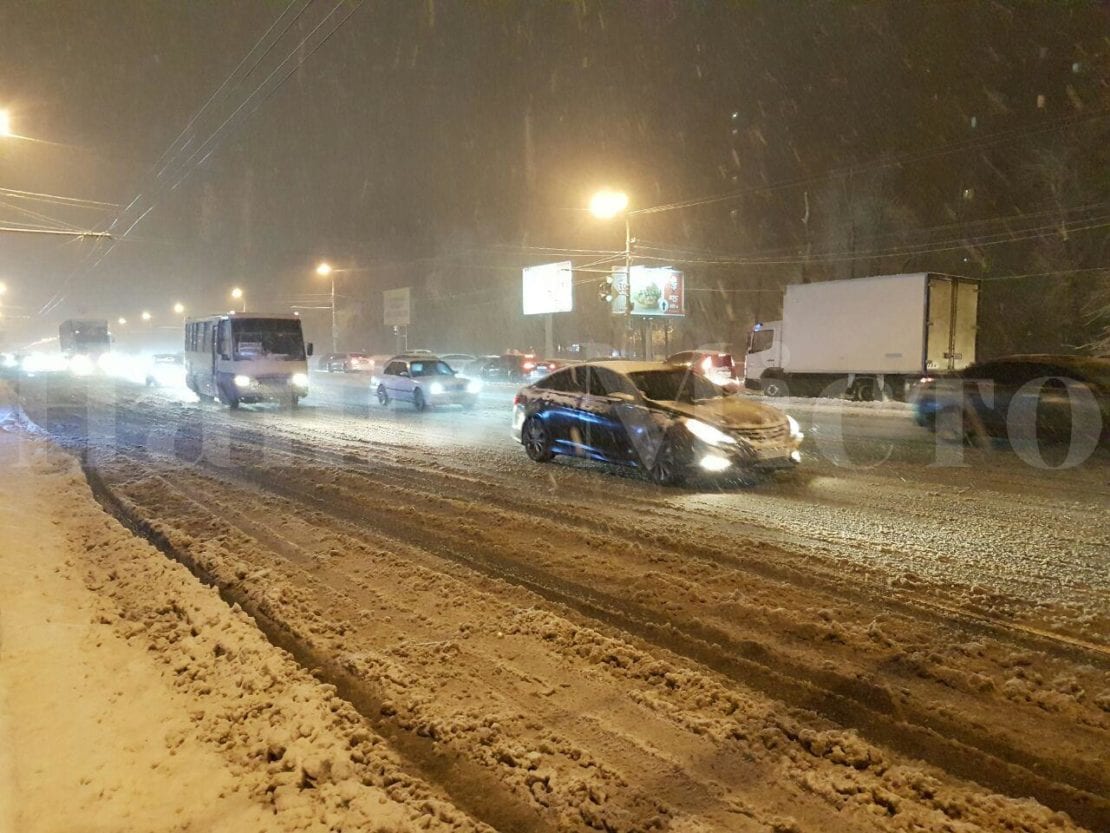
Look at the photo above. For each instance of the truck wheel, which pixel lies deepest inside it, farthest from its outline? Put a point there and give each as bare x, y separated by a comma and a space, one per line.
774, 387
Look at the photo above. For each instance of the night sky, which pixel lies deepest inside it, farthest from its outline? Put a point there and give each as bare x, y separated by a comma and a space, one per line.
443, 145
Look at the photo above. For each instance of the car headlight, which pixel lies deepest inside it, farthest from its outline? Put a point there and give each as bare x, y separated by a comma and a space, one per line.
436, 388
299, 380
242, 381
473, 386
707, 433
795, 428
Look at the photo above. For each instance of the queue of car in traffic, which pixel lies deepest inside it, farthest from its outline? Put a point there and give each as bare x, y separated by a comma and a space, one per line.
690, 413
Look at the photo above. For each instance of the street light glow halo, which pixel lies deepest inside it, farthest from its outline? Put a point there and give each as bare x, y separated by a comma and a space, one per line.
5, 123
607, 203
323, 269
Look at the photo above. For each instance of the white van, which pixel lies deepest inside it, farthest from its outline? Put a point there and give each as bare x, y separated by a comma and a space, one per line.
246, 357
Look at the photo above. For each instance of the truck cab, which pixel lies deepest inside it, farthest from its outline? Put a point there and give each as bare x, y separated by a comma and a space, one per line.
764, 353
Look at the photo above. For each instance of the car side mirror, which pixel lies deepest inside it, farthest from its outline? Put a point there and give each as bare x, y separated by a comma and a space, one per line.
308, 349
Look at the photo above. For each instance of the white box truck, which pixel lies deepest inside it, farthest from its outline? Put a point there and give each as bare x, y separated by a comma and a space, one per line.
865, 338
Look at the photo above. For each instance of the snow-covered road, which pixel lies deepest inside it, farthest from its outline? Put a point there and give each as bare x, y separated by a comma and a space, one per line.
886, 638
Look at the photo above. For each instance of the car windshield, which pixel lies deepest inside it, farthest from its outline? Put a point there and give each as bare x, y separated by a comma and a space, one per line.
675, 386
268, 338
421, 368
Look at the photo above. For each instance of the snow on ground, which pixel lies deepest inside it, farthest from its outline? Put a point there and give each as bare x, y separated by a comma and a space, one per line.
132, 698
602, 654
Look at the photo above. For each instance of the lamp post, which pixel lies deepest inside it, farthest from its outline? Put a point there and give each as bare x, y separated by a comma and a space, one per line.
605, 205
237, 294
325, 270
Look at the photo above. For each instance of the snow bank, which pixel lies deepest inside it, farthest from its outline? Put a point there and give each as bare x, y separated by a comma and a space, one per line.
133, 698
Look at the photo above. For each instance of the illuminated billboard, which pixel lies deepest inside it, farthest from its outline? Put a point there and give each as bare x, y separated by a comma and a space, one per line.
548, 288
656, 290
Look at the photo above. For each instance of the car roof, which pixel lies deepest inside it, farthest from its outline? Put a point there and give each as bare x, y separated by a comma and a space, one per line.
420, 357
628, 366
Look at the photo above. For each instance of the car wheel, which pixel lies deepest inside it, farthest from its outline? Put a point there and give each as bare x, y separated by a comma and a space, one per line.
774, 387
418, 400
537, 442
665, 470
383, 396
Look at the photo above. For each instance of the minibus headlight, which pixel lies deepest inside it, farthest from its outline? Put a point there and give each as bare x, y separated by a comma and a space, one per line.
242, 381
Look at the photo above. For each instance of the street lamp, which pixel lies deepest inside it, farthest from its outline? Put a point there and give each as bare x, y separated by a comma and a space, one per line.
3, 287
179, 308
237, 294
605, 205
325, 270
5, 123
121, 320
146, 316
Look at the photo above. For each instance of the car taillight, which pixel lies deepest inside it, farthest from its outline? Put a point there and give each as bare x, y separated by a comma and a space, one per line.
529, 365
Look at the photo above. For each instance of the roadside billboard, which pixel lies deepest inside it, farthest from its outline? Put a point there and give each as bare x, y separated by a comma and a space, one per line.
397, 306
548, 288
656, 291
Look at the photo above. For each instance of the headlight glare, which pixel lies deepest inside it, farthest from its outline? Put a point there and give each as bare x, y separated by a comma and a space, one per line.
436, 388
300, 380
473, 386
242, 381
707, 433
795, 428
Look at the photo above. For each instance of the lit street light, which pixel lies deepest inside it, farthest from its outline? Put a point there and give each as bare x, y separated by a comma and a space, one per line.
179, 308
146, 316
324, 270
238, 295
5, 123
3, 287
605, 205
121, 320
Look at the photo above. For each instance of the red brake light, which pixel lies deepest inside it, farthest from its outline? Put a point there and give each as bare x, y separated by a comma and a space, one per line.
529, 365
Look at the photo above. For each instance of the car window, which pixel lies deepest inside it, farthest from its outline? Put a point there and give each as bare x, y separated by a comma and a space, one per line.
395, 368
564, 381
425, 368
605, 382
678, 385
681, 358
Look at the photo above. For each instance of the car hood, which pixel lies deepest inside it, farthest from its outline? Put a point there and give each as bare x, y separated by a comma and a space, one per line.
728, 412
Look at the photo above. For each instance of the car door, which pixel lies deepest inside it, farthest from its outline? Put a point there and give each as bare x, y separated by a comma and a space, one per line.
395, 380
618, 415
599, 431
557, 405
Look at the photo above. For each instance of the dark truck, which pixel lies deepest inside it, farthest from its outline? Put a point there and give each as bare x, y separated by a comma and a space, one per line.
84, 337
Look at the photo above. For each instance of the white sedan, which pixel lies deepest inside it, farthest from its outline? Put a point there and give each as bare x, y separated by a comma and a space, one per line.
425, 380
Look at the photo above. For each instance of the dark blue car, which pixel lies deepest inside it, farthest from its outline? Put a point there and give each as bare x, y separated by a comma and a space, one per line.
1021, 398
667, 421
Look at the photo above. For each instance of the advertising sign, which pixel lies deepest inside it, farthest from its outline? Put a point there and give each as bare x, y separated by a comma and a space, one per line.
548, 288
656, 291
397, 304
